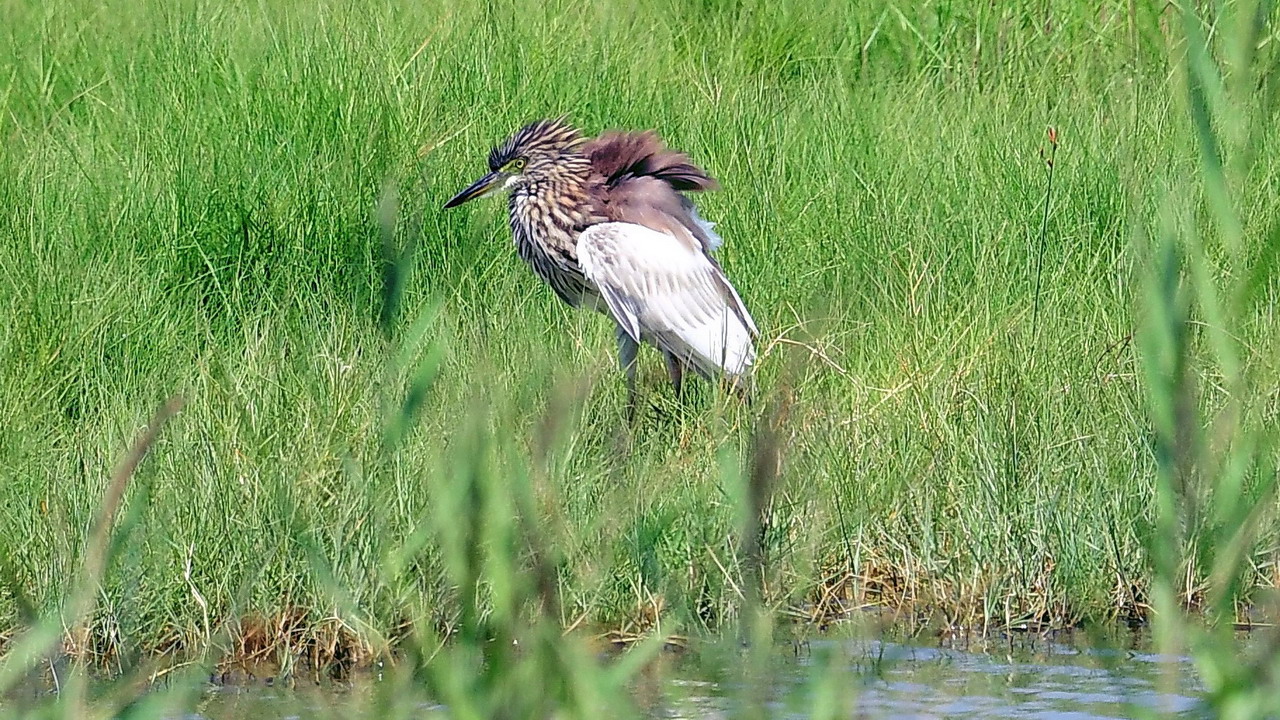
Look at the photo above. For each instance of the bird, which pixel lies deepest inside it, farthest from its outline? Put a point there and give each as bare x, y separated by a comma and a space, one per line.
606, 222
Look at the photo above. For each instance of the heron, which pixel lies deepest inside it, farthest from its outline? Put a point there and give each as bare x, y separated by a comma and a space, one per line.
606, 223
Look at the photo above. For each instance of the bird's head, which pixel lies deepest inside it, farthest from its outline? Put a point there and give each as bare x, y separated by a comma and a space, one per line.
536, 150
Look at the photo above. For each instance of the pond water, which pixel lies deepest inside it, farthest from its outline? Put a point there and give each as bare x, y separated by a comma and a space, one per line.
877, 678
1049, 681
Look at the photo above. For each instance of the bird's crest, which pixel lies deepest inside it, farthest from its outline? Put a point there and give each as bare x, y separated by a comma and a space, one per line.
550, 135
620, 155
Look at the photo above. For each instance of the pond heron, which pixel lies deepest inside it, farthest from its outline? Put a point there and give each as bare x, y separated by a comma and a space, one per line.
605, 222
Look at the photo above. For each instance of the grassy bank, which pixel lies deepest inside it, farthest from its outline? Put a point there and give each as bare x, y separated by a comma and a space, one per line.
196, 203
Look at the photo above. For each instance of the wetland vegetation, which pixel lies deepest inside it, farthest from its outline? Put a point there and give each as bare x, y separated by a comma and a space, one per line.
1009, 380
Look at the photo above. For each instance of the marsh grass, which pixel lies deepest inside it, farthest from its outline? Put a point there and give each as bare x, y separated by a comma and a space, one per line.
396, 445
1216, 476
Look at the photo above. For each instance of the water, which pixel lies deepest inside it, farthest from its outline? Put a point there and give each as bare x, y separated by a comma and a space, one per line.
882, 679
914, 681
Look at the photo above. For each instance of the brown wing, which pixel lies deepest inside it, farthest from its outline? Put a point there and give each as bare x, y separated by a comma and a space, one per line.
619, 156
639, 180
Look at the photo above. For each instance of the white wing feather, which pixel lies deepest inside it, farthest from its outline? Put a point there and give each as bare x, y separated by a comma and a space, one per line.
707, 226
662, 290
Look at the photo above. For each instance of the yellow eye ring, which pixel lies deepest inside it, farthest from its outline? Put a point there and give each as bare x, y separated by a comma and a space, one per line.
517, 165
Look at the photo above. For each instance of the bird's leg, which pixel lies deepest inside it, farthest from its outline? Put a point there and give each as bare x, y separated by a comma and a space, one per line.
628, 348
740, 387
675, 370
744, 394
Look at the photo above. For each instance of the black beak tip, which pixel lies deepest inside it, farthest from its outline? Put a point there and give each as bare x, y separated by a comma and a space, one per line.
479, 188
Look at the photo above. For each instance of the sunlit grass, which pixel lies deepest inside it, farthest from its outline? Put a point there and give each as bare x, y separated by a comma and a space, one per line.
193, 197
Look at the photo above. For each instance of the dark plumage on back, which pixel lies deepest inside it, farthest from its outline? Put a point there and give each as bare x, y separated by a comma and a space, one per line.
639, 180
621, 156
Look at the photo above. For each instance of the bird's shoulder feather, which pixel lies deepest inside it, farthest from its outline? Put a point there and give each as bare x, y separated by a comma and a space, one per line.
638, 179
619, 156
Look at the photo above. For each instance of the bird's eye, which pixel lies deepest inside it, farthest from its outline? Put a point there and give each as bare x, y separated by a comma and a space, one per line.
516, 165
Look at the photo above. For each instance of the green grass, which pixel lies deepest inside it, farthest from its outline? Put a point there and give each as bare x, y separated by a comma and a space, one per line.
192, 197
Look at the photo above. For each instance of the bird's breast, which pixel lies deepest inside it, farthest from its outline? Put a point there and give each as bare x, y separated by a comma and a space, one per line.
550, 248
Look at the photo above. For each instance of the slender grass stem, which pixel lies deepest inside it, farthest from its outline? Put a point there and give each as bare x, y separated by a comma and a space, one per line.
1044, 228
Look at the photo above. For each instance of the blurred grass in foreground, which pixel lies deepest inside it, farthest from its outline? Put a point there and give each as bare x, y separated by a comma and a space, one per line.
1216, 476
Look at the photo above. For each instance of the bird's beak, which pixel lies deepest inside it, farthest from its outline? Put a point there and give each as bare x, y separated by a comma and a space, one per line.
479, 188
